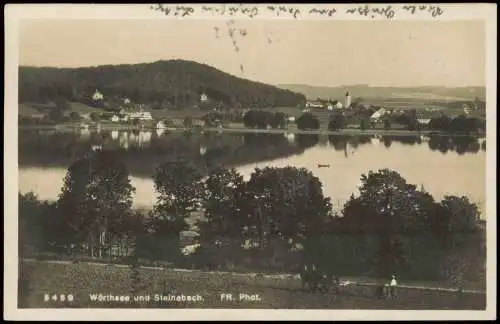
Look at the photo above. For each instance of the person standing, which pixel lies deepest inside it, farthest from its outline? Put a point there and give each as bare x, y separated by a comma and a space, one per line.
392, 288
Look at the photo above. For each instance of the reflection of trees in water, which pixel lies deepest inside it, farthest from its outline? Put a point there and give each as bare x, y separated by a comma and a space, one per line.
357, 140
339, 142
323, 140
61, 149
458, 144
408, 140
305, 141
387, 140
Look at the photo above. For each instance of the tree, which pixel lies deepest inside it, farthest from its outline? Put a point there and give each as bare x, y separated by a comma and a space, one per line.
456, 225
74, 116
307, 121
95, 198
441, 123
363, 124
180, 188
456, 216
287, 203
387, 124
62, 104
221, 203
337, 121
262, 119
95, 117
387, 207
188, 122
56, 115
279, 120
33, 221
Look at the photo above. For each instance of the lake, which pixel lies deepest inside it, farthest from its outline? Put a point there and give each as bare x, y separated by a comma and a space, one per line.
442, 165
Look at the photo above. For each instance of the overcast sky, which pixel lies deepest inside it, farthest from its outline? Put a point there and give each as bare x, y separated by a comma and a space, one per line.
397, 53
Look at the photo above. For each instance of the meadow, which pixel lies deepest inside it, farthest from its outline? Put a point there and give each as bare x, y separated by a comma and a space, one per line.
275, 292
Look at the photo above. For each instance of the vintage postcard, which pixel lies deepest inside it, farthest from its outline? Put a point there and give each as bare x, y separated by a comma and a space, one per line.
250, 162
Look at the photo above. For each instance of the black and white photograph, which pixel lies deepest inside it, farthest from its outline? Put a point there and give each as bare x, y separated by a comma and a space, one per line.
265, 157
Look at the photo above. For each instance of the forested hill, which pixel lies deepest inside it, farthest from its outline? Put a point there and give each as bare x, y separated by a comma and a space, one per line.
162, 84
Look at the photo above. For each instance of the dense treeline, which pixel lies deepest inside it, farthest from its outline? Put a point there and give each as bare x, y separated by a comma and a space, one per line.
277, 219
173, 83
461, 124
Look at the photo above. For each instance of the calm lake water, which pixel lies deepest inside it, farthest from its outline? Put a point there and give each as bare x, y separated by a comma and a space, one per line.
442, 165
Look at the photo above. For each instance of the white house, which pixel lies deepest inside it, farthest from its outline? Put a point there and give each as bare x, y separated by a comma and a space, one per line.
378, 114
141, 115
424, 121
126, 101
97, 96
314, 104
467, 109
338, 105
115, 119
203, 98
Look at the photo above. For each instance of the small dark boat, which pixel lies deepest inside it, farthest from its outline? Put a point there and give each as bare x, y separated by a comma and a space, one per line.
323, 165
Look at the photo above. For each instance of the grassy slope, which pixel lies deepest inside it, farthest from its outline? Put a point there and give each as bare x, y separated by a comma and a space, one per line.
30, 109
83, 279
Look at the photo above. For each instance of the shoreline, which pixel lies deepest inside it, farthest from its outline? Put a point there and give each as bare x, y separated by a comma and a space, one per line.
349, 132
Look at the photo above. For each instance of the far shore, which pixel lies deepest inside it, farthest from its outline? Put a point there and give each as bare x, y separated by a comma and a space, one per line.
349, 131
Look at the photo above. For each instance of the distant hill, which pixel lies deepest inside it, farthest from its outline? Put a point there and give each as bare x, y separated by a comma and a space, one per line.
162, 84
431, 93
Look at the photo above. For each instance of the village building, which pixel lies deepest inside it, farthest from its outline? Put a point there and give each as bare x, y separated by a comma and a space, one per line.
115, 118
347, 100
203, 98
423, 118
467, 109
335, 104
140, 115
376, 116
198, 123
315, 104
97, 96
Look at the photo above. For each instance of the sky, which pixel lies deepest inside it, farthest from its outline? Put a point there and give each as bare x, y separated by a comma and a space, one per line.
328, 53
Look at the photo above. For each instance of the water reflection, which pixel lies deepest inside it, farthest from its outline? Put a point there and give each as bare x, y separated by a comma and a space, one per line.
160, 132
420, 160
307, 140
461, 145
387, 140
290, 137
